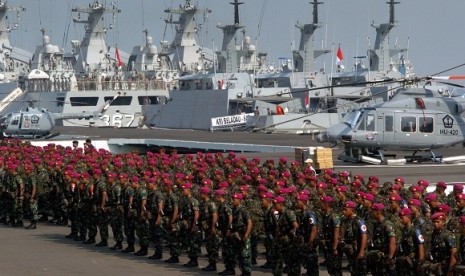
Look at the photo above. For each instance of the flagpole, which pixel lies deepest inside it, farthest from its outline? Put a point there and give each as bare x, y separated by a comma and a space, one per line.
332, 63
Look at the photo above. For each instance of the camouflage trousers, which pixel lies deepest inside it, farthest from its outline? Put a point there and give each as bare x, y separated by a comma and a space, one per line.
91, 221
3, 205
72, 214
243, 253
156, 235
116, 223
212, 245
81, 221
103, 224
142, 232
268, 243
286, 252
227, 244
172, 236
193, 238
33, 208
130, 228
357, 267
377, 264
17, 209
310, 260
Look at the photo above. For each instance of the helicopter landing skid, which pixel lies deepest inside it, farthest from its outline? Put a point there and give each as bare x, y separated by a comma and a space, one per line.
424, 158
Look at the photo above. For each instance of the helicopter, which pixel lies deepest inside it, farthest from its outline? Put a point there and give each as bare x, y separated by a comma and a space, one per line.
414, 119
35, 122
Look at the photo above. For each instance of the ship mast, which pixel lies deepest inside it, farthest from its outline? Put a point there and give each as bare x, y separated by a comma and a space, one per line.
380, 55
306, 55
93, 48
229, 56
184, 47
5, 29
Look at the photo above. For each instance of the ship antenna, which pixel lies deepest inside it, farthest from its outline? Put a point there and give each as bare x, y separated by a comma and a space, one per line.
236, 5
315, 11
392, 17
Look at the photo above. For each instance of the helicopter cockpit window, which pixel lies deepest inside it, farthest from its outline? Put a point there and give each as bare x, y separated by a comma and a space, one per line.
352, 118
370, 122
408, 124
15, 121
426, 124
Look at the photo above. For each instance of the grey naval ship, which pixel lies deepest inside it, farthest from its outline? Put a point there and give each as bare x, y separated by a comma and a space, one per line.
95, 73
242, 93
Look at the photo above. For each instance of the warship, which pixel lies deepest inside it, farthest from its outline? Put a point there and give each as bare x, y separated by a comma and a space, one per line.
95, 73
343, 90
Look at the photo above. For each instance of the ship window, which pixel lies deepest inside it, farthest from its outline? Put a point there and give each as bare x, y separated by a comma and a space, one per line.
148, 100
426, 124
124, 100
84, 101
408, 124
60, 101
389, 123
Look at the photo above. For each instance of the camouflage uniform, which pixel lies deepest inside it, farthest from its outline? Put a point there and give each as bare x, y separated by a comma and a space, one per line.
441, 244
116, 211
212, 241
307, 220
30, 192
224, 211
90, 209
129, 217
190, 228
379, 249
354, 228
407, 257
242, 249
253, 205
102, 213
142, 224
270, 224
329, 222
154, 199
171, 203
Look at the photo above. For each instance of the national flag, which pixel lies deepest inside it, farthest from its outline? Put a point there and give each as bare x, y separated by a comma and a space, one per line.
307, 101
339, 55
118, 58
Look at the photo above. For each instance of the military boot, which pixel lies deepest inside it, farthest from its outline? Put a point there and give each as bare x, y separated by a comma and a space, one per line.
228, 271
142, 251
210, 267
173, 260
91, 240
192, 263
32, 226
71, 235
18, 223
129, 249
102, 243
118, 245
156, 256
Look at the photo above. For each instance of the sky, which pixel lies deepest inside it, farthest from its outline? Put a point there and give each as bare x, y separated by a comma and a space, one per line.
431, 29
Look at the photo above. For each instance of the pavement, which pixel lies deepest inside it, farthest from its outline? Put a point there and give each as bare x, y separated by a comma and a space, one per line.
46, 251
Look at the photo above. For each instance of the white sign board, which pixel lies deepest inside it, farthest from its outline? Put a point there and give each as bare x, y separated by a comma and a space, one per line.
228, 121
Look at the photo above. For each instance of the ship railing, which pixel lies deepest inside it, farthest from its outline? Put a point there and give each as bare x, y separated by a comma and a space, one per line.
123, 85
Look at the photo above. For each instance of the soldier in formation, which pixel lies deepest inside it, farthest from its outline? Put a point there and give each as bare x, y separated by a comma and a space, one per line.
229, 204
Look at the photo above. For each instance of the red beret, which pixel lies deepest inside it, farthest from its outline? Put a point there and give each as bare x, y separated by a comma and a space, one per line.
223, 184
377, 207
238, 196
342, 189
267, 195
244, 188
321, 185
350, 204
444, 208
369, 197
283, 160
327, 199
395, 198
423, 183
220, 192
373, 186
430, 197
344, 174
460, 197
441, 184
373, 178
286, 174
416, 188
279, 199
205, 190
438, 216
458, 187
356, 183
399, 179
414, 202
405, 212
206, 182
302, 197
462, 219
186, 185
358, 177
